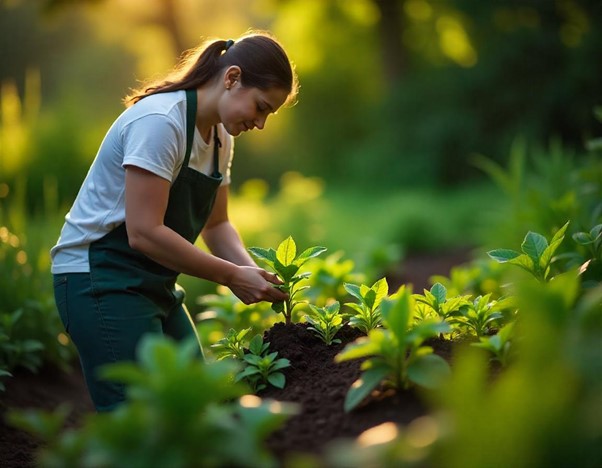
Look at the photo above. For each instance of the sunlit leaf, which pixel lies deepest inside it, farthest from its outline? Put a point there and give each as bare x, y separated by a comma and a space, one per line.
362, 387
287, 251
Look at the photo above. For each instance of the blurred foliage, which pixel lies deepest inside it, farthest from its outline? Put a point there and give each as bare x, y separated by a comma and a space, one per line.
394, 92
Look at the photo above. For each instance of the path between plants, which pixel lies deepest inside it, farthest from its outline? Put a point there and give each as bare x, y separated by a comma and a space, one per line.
313, 380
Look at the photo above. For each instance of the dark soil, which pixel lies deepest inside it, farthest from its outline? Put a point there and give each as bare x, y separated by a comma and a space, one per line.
319, 385
313, 380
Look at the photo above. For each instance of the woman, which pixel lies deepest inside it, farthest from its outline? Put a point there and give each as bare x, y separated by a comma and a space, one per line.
160, 179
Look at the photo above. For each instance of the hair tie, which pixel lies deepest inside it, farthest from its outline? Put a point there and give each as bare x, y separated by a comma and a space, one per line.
229, 43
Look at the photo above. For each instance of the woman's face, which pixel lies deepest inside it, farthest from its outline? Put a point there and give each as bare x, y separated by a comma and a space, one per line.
242, 109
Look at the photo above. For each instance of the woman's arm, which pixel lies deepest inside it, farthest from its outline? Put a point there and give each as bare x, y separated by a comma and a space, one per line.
146, 198
221, 236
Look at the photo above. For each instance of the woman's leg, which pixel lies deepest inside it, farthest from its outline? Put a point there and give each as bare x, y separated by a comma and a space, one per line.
105, 328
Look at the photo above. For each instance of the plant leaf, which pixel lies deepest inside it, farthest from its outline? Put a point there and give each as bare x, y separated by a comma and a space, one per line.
277, 379
428, 370
534, 246
267, 255
397, 313
381, 288
287, 251
309, 253
362, 387
440, 293
503, 255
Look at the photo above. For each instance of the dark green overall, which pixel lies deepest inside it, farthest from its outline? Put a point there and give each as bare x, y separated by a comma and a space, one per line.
126, 294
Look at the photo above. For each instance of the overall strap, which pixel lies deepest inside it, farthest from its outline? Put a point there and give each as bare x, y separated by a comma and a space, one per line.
216, 146
191, 102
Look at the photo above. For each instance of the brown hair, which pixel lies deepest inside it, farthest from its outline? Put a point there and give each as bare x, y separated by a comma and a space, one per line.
262, 60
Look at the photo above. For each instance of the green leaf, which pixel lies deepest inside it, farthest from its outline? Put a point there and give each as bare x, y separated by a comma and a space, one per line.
397, 314
370, 298
381, 288
287, 251
267, 255
440, 293
428, 370
354, 290
583, 238
503, 255
362, 347
277, 379
362, 387
309, 253
281, 363
534, 246
256, 344
524, 262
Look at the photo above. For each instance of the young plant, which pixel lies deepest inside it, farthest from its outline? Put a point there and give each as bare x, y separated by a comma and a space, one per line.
536, 255
395, 354
286, 264
366, 314
326, 321
498, 345
479, 315
436, 303
261, 367
232, 345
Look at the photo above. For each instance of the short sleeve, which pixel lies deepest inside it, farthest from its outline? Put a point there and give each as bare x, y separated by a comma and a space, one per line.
152, 142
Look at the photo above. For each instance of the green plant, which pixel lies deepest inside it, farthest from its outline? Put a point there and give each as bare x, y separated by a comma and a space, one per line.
328, 278
591, 264
15, 350
366, 314
326, 321
479, 315
262, 367
499, 345
286, 264
231, 346
180, 412
536, 256
436, 302
395, 354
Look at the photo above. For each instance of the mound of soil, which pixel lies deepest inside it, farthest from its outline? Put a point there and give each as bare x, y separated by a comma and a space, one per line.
319, 385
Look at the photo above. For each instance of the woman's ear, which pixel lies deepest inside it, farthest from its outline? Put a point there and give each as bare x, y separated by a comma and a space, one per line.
231, 76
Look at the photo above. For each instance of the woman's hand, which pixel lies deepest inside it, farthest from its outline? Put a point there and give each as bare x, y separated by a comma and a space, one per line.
253, 284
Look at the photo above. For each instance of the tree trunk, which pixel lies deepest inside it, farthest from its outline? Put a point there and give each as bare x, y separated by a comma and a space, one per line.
390, 30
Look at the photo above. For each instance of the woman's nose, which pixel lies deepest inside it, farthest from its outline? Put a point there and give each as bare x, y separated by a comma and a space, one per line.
260, 122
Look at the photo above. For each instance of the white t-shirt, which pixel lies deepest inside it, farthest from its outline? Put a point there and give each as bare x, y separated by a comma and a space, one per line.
151, 135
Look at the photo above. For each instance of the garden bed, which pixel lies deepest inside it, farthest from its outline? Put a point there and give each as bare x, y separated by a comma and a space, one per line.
313, 380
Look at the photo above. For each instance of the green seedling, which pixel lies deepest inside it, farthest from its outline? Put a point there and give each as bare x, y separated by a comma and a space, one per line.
261, 367
479, 315
326, 321
436, 302
536, 255
395, 354
498, 345
232, 345
286, 264
366, 314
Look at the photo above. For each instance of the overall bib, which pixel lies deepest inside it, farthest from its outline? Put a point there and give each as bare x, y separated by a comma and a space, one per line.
126, 294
